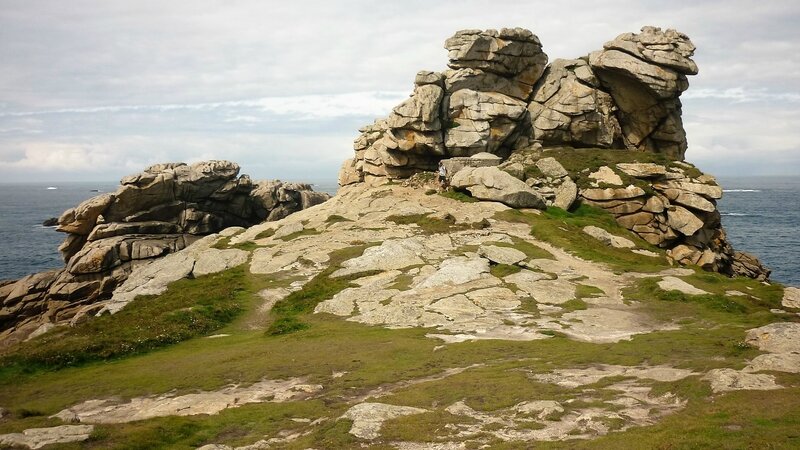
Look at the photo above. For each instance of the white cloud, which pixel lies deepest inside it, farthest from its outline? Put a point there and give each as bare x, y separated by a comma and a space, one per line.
740, 94
300, 107
127, 83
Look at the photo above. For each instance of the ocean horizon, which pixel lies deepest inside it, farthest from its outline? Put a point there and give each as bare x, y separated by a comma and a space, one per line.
760, 215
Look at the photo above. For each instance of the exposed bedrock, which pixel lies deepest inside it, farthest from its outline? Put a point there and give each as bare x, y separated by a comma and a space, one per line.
154, 213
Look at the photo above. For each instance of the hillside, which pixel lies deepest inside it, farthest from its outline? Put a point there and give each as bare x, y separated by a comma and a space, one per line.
573, 288
478, 324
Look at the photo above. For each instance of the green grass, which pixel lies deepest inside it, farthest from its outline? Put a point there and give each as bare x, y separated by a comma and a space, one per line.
564, 229
335, 218
297, 234
434, 225
265, 234
287, 311
531, 250
189, 308
586, 291
459, 196
502, 270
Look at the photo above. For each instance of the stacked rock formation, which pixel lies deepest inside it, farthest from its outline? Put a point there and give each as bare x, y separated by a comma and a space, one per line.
500, 96
679, 213
472, 108
159, 211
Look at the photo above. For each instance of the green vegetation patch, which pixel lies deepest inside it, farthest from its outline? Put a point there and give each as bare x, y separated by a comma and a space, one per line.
265, 234
502, 270
531, 250
189, 308
336, 218
564, 229
287, 311
297, 234
459, 196
435, 225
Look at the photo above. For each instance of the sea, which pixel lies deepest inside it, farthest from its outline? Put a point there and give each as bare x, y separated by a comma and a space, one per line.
760, 214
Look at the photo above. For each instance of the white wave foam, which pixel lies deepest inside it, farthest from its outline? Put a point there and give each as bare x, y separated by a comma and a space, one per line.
735, 214
741, 190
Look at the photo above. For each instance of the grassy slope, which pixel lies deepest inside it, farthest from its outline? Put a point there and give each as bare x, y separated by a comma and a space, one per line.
712, 336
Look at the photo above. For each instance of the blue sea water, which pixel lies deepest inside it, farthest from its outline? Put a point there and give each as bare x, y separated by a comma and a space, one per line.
25, 245
761, 216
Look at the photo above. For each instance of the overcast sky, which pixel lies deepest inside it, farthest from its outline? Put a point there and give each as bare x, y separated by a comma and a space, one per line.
93, 90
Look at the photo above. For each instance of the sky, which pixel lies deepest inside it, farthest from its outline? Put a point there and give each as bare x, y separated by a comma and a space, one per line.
94, 90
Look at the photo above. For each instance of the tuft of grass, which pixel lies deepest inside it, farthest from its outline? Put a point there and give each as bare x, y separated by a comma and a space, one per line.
287, 311
586, 291
434, 225
531, 250
459, 196
564, 229
575, 304
265, 234
502, 270
297, 234
189, 308
335, 218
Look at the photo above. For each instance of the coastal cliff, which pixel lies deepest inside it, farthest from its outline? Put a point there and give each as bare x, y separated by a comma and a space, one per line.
159, 211
573, 288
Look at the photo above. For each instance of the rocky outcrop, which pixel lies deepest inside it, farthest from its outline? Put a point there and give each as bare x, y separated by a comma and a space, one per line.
499, 95
159, 211
570, 108
645, 74
473, 107
491, 183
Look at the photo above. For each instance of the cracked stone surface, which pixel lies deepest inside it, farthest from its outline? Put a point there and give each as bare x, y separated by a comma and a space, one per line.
368, 418
723, 380
41, 437
206, 402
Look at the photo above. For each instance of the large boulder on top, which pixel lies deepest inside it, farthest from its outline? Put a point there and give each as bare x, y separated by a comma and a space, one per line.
645, 74
491, 183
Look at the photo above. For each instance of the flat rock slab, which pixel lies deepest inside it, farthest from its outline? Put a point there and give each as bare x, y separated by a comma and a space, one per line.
608, 325
40, 437
607, 238
501, 255
554, 292
572, 378
777, 362
368, 418
781, 337
724, 380
214, 260
206, 402
670, 283
390, 255
458, 270
791, 298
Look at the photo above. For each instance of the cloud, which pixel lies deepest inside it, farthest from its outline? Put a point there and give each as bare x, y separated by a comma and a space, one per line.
740, 94
301, 107
126, 83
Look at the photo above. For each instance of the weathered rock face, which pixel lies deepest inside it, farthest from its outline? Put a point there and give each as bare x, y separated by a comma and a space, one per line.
569, 107
645, 74
499, 95
156, 212
473, 107
491, 183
